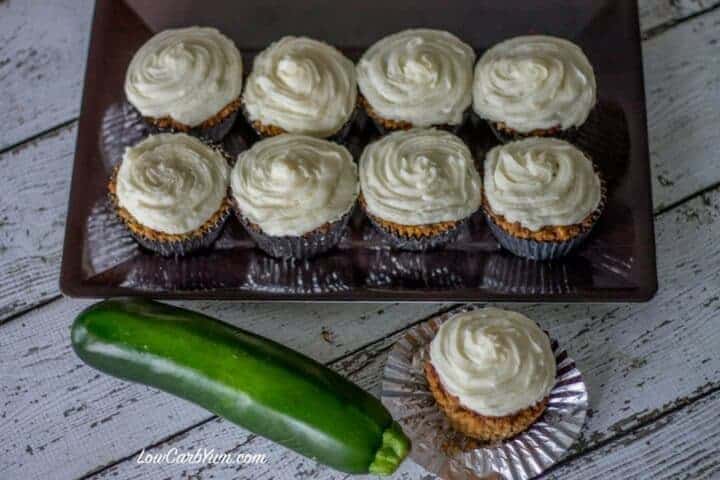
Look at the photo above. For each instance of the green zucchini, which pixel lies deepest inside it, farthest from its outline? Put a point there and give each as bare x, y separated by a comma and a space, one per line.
254, 382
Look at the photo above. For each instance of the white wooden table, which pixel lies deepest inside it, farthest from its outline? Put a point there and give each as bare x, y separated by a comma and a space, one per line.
653, 369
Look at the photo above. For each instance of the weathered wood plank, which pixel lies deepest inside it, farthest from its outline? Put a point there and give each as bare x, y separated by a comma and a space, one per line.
42, 59
33, 202
682, 76
64, 419
656, 15
639, 361
683, 153
683, 444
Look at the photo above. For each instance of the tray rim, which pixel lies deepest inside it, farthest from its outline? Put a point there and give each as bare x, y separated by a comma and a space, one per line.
70, 279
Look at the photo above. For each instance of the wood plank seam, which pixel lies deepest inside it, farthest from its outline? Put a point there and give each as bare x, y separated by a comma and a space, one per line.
673, 22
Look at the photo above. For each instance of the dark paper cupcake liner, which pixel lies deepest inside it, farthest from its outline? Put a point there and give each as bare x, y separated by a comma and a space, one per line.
184, 246
569, 135
340, 136
213, 134
306, 246
533, 249
420, 244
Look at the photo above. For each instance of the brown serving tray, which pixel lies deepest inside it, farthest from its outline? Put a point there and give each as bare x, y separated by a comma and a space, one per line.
616, 264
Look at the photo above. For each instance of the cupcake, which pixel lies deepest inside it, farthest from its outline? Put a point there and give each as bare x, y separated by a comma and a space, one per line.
534, 86
294, 194
170, 191
491, 372
541, 196
416, 78
187, 80
418, 187
300, 85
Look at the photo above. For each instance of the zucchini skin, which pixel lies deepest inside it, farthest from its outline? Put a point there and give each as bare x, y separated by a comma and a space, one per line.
254, 382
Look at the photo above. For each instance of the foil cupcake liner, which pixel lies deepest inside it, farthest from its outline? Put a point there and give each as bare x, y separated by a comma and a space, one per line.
420, 244
212, 134
184, 246
454, 129
306, 246
451, 455
338, 137
570, 134
532, 249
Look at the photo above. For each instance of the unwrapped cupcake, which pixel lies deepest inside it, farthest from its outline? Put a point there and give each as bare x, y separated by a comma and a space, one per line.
541, 196
294, 194
419, 187
187, 80
417, 78
491, 372
300, 85
534, 85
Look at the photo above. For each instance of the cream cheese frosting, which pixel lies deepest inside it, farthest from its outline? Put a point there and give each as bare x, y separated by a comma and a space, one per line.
541, 182
534, 82
291, 184
172, 182
420, 176
302, 86
420, 76
496, 362
187, 74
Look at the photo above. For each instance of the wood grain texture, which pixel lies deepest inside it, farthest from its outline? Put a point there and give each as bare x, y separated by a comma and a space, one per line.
639, 360
65, 419
42, 60
682, 444
658, 15
682, 76
33, 202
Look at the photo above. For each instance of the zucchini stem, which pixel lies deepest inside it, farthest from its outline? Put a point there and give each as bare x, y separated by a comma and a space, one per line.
394, 448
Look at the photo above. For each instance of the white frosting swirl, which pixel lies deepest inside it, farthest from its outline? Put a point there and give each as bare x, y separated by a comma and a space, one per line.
302, 86
541, 182
496, 362
534, 82
419, 76
292, 184
419, 177
172, 182
187, 74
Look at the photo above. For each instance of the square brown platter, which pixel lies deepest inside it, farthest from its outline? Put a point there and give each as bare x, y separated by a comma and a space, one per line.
616, 264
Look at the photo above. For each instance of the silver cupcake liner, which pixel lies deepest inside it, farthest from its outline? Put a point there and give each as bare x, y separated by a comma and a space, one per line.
569, 134
420, 244
451, 455
307, 246
209, 134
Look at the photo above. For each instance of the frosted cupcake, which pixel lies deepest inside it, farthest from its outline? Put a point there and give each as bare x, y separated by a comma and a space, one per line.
300, 85
294, 194
491, 372
418, 187
534, 86
541, 197
417, 78
170, 191
187, 80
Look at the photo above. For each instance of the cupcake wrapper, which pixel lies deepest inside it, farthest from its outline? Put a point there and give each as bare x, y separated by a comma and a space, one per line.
212, 134
338, 137
454, 129
185, 246
420, 244
306, 246
570, 134
451, 455
533, 249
